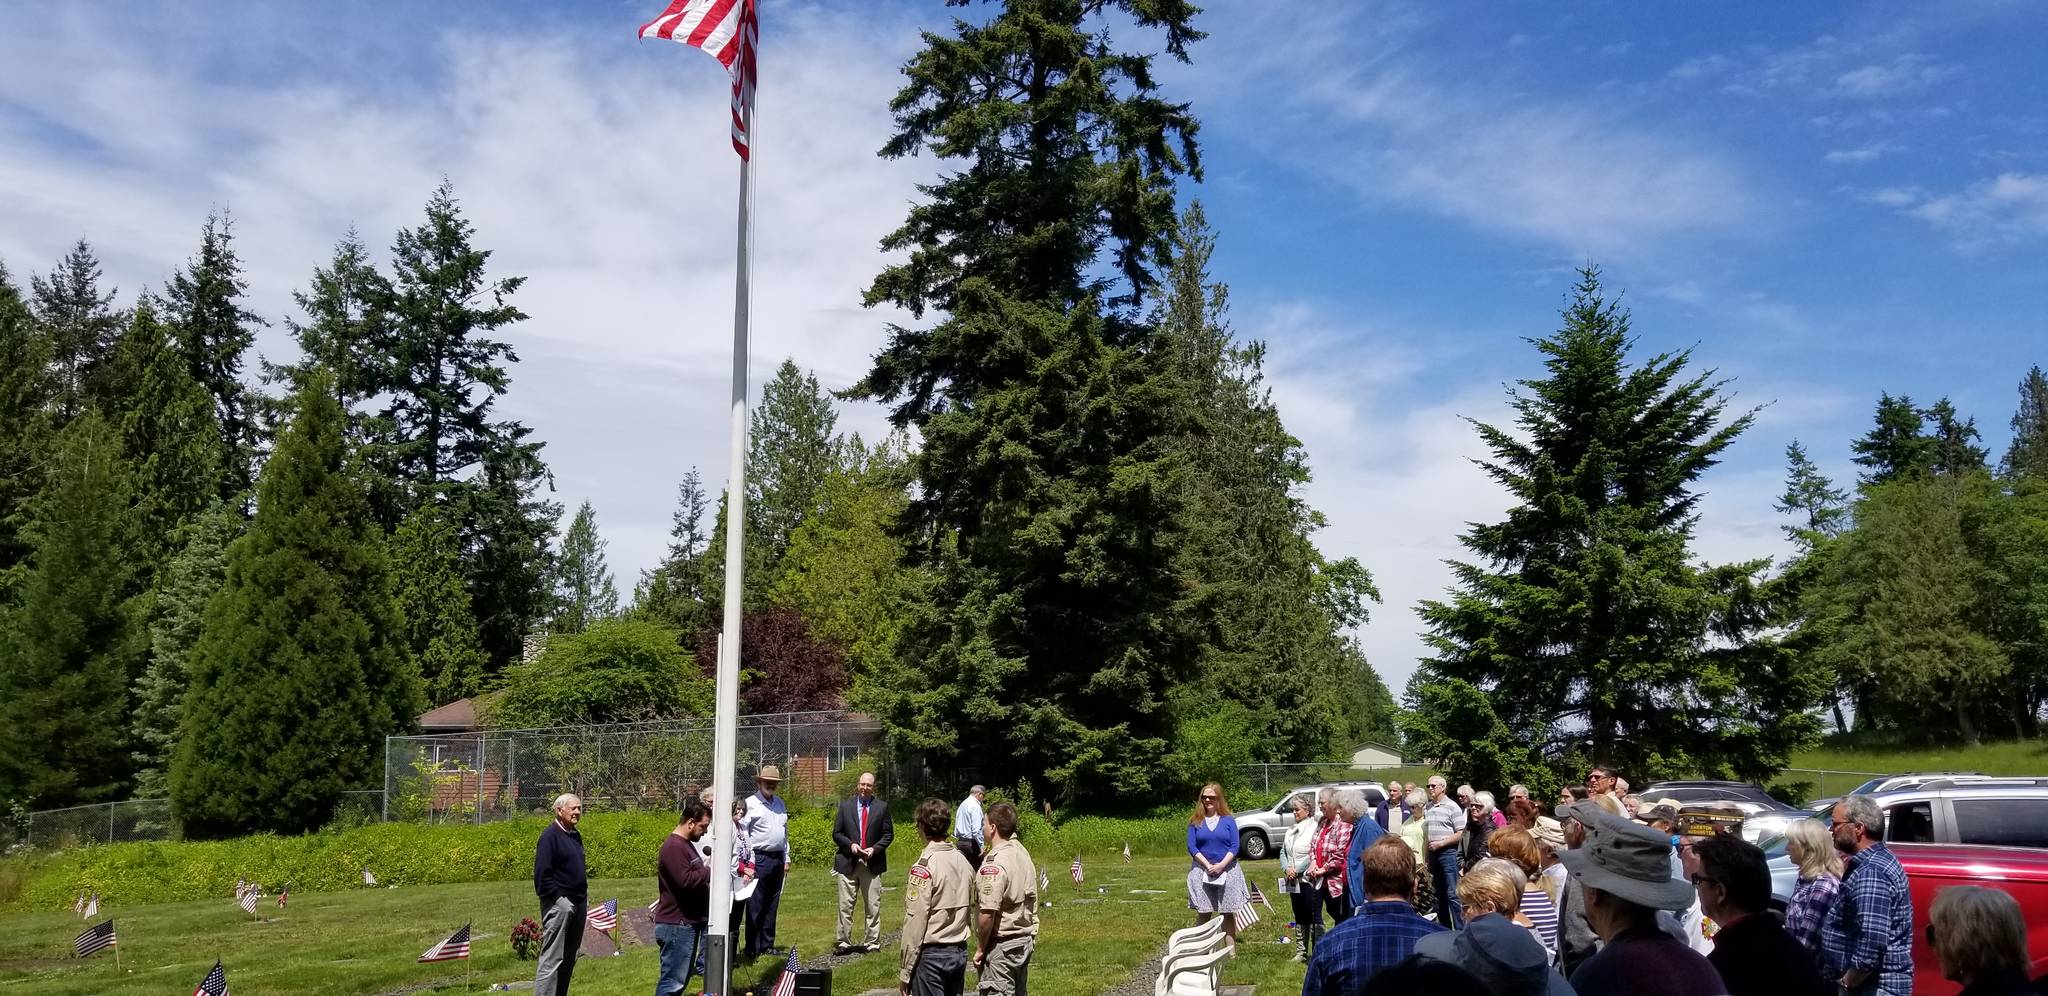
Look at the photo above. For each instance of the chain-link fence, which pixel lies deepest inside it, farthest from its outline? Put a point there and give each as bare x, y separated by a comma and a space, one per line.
103, 823
495, 774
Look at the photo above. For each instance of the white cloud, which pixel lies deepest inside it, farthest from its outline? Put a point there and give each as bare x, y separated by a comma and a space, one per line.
1896, 196
1617, 48
1857, 156
1907, 73
2008, 208
1702, 66
598, 169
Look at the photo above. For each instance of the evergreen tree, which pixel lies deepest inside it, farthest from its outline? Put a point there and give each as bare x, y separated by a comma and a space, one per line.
2027, 457
584, 592
508, 530
168, 429
79, 326
433, 606
1271, 609
446, 374
74, 642
1045, 493
184, 587
1956, 453
1897, 446
1819, 509
1589, 620
299, 673
672, 593
791, 449
214, 330
25, 392
347, 330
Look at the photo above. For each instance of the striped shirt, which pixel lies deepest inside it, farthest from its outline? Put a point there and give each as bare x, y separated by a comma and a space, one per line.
1542, 913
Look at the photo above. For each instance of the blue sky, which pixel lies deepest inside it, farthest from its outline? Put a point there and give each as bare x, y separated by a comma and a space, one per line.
1824, 201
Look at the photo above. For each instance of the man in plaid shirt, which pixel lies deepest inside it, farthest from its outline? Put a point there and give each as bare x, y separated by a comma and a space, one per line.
1866, 938
1380, 934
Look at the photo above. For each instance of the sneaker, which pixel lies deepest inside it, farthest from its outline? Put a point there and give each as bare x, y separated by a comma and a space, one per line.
842, 949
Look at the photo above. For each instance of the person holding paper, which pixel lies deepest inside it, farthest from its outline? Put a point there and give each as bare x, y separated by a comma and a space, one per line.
1297, 857
1215, 883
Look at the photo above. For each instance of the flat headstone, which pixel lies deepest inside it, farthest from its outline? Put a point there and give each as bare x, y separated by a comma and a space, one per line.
1235, 990
637, 924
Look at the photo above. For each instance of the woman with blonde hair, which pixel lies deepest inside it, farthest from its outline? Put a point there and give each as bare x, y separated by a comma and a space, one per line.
1413, 833
1297, 853
1981, 939
1810, 846
1215, 882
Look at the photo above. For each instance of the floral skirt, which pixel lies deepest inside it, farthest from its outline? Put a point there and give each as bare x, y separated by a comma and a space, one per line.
1227, 897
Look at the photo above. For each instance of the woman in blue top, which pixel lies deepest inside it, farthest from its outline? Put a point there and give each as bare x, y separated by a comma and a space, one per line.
1215, 882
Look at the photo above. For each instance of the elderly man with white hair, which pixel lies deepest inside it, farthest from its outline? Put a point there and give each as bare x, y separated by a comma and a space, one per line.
562, 882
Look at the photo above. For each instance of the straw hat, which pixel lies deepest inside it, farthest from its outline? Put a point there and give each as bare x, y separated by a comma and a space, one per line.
769, 773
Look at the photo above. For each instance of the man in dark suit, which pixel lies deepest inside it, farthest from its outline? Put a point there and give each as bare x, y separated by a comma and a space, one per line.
862, 834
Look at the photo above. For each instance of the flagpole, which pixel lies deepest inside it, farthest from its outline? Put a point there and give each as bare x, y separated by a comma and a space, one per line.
725, 745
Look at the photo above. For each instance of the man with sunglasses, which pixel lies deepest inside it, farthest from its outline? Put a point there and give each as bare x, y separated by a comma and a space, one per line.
1603, 781
1866, 938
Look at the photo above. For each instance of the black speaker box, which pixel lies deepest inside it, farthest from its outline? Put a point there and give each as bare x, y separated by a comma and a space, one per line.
816, 982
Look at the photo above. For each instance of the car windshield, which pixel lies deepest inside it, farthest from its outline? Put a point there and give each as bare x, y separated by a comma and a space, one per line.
1869, 786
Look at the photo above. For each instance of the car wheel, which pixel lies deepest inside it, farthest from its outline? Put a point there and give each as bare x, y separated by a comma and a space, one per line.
1252, 845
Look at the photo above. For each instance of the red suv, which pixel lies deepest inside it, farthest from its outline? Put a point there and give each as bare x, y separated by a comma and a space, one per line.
1931, 868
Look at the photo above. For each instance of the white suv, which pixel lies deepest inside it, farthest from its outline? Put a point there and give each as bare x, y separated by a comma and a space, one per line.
1259, 832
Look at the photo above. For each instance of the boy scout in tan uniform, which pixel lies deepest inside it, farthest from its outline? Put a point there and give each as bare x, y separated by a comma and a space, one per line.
937, 908
1008, 887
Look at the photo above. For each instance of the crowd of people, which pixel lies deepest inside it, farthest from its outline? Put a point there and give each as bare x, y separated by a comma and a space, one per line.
973, 880
1432, 890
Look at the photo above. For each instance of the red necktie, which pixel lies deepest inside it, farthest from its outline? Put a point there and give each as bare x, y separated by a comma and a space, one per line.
863, 824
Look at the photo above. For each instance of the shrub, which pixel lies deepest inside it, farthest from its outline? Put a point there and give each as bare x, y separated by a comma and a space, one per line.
618, 669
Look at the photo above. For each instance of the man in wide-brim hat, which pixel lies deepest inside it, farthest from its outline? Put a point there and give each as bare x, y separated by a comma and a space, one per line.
766, 825
1624, 871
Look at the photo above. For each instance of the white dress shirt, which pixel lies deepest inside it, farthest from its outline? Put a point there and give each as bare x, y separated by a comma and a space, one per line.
967, 825
767, 824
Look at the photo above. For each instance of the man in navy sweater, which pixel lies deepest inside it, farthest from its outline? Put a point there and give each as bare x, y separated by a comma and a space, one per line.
562, 884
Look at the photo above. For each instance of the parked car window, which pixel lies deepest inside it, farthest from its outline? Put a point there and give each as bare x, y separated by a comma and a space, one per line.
1286, 807
1911, 822
2011, 822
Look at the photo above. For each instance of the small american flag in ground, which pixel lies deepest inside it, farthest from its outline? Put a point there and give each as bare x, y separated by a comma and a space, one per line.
1260, 897
730, 32
284, 894
250, 899
92, 907
1074, 870
786, 985
368, 879
78, 906
1248, 915
456, 946
94, 939
605, 917
241, 888
1044, 882
1127, 852
216, 983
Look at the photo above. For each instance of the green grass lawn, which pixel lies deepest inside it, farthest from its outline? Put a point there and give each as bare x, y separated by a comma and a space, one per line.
364, 941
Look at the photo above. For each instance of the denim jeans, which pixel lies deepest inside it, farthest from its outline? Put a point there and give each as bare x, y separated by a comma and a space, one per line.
1443, 874
678, 943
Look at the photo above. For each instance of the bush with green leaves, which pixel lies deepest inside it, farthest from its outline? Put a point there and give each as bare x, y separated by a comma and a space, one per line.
618, 670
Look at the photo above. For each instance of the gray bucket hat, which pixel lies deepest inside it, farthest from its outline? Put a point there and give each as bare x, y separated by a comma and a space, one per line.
1502, 953
1628, 860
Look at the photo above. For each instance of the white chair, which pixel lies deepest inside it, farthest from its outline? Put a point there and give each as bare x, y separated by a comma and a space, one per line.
1195, 975
1196, 938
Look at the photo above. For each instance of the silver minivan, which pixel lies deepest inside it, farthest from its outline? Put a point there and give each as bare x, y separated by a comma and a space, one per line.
1259, 832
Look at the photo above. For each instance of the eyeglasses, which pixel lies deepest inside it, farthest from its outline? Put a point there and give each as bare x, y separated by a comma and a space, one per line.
1698, 879
1208, 798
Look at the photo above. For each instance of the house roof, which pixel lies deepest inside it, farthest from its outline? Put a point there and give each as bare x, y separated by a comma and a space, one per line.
457, 715
1396, 751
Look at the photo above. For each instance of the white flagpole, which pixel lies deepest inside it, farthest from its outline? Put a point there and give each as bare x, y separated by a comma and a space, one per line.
725, 746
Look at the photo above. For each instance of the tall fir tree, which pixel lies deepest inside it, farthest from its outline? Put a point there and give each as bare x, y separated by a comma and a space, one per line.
74, 642
1820, 513
79, 324
1258, 588
584, 592
1897, 445
299, 673
672, 592
1956, 453
433, 606
347, 329
204, 303
1819, 510
184, 587
1588, 620
2027, 457
791, 448
25, 393
508, 532
1045, 491
171, 437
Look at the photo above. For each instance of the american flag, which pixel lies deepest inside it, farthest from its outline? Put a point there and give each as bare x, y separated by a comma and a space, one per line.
1259, 897
94, 939
786, 985
1127, 852
456, 946
730, 31
250, 898
368, 879
216, 983
78, 905
92, 907
1044, 882
284, 894
1248, 915
241, 888
605, 917
1074, 870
